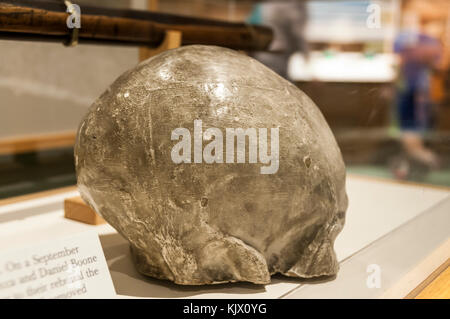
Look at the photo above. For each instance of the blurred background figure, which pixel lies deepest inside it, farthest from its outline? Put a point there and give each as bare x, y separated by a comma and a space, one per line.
288, 20
420, 56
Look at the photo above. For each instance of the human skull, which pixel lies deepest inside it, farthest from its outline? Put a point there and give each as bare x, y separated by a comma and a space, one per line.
196, 222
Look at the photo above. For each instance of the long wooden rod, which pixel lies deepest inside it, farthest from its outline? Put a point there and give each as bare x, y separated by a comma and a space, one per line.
46, 21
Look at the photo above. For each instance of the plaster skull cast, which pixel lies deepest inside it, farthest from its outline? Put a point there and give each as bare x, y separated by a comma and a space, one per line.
196, 221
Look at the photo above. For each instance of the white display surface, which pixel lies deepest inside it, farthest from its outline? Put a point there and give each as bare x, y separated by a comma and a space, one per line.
376, 208
394, 265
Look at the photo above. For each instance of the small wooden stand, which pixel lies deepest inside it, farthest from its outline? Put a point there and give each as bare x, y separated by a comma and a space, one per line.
75, 208
172, 40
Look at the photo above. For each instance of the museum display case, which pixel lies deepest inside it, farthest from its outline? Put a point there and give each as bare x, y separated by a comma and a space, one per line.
225, 149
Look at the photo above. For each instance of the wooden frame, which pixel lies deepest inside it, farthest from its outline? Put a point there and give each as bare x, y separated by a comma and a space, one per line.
40, 142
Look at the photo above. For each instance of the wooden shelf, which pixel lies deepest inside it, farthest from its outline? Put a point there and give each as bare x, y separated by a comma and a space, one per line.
31, 143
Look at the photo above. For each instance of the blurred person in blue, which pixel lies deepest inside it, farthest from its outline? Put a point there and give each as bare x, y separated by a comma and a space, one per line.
287, 18
420, 53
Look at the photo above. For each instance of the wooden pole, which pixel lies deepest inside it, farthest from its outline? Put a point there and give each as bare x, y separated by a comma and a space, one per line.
126, 27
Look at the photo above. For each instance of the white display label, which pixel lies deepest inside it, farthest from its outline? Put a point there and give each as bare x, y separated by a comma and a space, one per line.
71, 267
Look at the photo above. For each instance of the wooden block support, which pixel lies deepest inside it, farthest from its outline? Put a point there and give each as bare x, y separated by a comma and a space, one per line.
171, 40
75, 208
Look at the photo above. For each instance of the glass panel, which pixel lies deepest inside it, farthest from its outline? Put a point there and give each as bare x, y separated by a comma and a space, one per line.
378, 71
